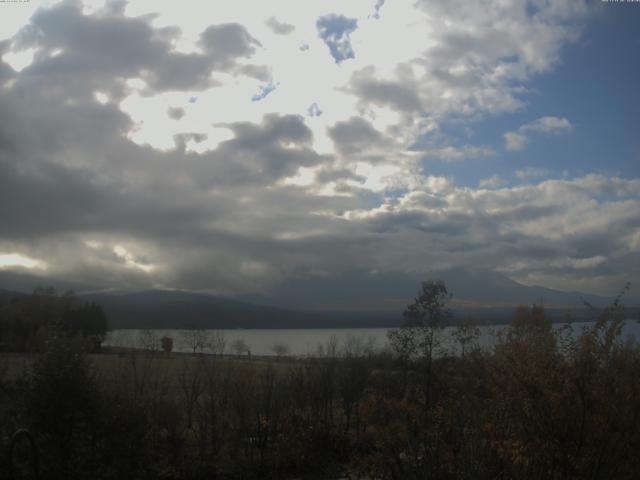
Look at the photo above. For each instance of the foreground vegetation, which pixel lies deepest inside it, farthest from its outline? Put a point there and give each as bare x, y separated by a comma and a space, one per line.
540, 405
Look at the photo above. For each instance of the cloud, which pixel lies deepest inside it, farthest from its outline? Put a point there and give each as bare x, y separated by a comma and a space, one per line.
17, 260
494, 181
548, 125
378, 6
280, 28
288, 189
264, 153
581, 263
354, 135
515, 141
398, 95
464, 152
224, 43
335, 31
533, 173
537, 227
176, 113
518, 140
135, 49
447, 60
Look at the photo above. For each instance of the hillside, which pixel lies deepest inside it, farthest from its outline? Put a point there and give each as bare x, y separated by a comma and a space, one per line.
361, 299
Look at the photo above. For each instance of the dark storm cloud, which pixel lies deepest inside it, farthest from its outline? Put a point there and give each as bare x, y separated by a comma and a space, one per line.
216, 221
98, 51
259, 72
274, 129
69, 169
523, 213
396, 222
398, 95
181, 139
53, 198
73, 185
330, 174
354, 135
265, 152
225, 43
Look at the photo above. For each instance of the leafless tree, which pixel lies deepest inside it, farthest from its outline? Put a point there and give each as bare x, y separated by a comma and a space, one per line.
240, 346
148, 340
197, 340
218, 343
280, 349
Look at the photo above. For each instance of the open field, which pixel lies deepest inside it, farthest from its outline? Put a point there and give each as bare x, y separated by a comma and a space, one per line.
14, 366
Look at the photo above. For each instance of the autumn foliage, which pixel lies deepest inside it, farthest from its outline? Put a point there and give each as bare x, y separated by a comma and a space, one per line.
541, 404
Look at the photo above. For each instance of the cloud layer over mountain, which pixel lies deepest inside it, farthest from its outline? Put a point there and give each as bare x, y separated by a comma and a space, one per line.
133, 156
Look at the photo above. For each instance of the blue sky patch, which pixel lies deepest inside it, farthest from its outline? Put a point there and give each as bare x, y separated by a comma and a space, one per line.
264, 91
314, 110
335, 31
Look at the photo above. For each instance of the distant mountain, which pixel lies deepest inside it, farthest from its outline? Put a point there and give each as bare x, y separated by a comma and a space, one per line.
179, 309
494, 289
367, 291
7, 295
357, 299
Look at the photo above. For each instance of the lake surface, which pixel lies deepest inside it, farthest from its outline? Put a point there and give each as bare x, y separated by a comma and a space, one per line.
305, 342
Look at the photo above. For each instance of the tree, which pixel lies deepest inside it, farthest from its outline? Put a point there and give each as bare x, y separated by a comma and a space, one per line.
62, 400
167, 344
424, 319
147, 340
239, 346
196, 339
25, 321
466, 334
280, 349
87, 320
530, 322
218, 343
419, 337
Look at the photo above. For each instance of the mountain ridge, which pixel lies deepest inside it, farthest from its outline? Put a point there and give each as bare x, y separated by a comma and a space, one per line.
356, 300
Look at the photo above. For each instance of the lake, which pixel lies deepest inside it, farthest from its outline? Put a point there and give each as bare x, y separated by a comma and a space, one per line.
305, 342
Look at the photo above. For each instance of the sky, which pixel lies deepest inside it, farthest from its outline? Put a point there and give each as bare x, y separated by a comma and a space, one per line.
235, 147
